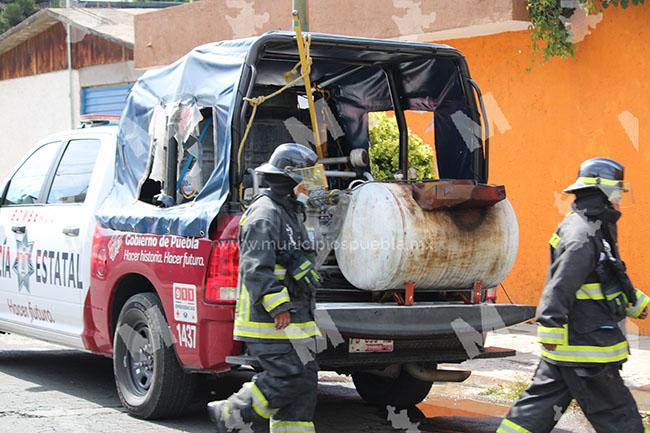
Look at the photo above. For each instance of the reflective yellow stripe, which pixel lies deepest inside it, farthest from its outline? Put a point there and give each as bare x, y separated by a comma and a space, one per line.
613, 295
590, 354
292, 427
243, 309
555, 240
295, 331
599, 180
590, 291
508, 426
272, 300
260, 404
280, 272
642, 301
547, 335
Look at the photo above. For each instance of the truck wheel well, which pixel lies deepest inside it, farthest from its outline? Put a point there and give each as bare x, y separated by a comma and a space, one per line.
129, 285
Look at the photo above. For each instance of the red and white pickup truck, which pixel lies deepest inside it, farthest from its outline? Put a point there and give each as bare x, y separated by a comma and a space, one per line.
161, 302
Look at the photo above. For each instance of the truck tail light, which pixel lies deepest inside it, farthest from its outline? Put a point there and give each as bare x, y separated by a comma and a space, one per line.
223, 272
491, 295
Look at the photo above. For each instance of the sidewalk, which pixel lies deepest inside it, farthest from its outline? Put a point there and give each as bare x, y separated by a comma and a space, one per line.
491, 372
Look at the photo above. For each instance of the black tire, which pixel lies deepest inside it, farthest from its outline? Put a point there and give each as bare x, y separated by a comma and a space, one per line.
150, 381
401, 392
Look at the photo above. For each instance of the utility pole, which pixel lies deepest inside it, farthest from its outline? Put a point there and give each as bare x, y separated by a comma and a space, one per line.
302, 8
71, 92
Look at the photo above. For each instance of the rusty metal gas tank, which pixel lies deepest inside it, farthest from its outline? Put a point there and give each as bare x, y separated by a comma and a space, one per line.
394, 233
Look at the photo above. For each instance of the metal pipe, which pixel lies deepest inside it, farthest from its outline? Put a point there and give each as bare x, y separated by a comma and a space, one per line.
172, 166
70, 70
335, 160
343, 75
336, 173
434, 374
486, 127
401, 122
301, 7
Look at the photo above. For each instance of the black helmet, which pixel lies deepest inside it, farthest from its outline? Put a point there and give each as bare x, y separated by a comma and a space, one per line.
287, 156
603, 174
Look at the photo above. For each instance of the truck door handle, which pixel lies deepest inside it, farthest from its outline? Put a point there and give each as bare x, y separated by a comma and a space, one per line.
71, 231
18, 229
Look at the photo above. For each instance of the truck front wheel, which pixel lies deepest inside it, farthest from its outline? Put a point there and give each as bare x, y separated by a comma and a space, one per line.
401, 392
150, 381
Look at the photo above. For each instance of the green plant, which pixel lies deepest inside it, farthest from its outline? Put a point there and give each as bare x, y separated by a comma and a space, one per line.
13, 13
384, 150
507, 391
548, 23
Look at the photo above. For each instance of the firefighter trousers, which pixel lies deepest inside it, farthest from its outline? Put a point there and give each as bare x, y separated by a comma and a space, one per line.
605, 400
282, 398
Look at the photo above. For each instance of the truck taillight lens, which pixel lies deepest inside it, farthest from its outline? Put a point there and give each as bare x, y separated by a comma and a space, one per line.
223, 270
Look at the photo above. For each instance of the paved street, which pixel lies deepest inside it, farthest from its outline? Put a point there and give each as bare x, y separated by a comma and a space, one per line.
47, 388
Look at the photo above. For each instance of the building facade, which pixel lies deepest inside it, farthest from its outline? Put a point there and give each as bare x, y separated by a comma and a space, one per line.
43, 92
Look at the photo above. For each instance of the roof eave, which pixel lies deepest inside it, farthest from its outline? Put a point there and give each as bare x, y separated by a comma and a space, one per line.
43, 20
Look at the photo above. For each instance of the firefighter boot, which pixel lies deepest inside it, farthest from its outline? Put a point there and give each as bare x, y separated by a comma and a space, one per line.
216, 412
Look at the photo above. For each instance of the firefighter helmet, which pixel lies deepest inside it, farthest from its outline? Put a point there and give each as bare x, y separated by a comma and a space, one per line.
288, 155
603, 174
297, 162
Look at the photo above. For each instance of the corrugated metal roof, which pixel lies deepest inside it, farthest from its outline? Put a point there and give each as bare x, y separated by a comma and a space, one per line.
115, 25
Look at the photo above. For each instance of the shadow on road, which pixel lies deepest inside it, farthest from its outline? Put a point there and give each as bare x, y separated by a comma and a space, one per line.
90, 377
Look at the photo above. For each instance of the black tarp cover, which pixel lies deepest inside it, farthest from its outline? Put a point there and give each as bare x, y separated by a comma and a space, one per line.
209, 76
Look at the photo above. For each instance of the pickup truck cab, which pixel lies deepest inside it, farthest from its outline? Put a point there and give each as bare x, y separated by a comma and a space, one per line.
122, 240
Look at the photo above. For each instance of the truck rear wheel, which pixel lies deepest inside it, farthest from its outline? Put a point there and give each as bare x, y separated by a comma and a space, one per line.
150, 380
401, 392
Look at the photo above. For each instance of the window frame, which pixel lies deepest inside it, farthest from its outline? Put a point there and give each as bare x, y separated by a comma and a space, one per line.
48, 176
45, 193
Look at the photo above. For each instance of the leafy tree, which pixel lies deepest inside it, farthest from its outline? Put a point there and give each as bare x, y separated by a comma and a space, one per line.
15, 12
549, 23
384, 150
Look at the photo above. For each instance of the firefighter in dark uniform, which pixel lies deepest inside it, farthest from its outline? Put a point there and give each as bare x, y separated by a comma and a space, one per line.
275, 307
581, 314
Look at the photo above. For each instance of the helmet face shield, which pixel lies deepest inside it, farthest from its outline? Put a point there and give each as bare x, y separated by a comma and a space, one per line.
618, 192
620, 195
310, 178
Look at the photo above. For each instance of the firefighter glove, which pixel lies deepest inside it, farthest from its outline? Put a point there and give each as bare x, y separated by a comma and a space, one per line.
301, 269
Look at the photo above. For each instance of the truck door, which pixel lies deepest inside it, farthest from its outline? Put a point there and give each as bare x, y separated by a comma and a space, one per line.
63, 239
21, 210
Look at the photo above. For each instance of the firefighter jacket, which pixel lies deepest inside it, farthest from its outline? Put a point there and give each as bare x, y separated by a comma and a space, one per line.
573, 313
272, 222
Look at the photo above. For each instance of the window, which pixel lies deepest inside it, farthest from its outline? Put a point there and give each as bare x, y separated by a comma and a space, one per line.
26, 184
72, 177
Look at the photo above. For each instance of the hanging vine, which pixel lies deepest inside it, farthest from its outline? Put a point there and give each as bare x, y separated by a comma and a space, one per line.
549, 18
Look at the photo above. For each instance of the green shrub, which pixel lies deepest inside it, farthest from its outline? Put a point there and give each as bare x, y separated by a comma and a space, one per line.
384, 150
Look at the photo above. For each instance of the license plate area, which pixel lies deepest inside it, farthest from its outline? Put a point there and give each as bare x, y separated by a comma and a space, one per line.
363, 345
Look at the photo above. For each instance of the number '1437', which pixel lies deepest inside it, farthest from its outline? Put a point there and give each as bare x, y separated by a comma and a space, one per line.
186, 335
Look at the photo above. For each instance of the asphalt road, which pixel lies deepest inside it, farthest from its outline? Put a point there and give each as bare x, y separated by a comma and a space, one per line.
47, 388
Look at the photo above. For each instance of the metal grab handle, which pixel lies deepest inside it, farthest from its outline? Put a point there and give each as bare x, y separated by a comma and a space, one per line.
18, 229
71, 231
486, 128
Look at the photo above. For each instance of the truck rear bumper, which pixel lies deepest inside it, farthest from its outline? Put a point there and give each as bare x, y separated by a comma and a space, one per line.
422, 320
425, 332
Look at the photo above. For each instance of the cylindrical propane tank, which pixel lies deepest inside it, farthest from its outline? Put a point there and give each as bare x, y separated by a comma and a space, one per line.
387, 240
